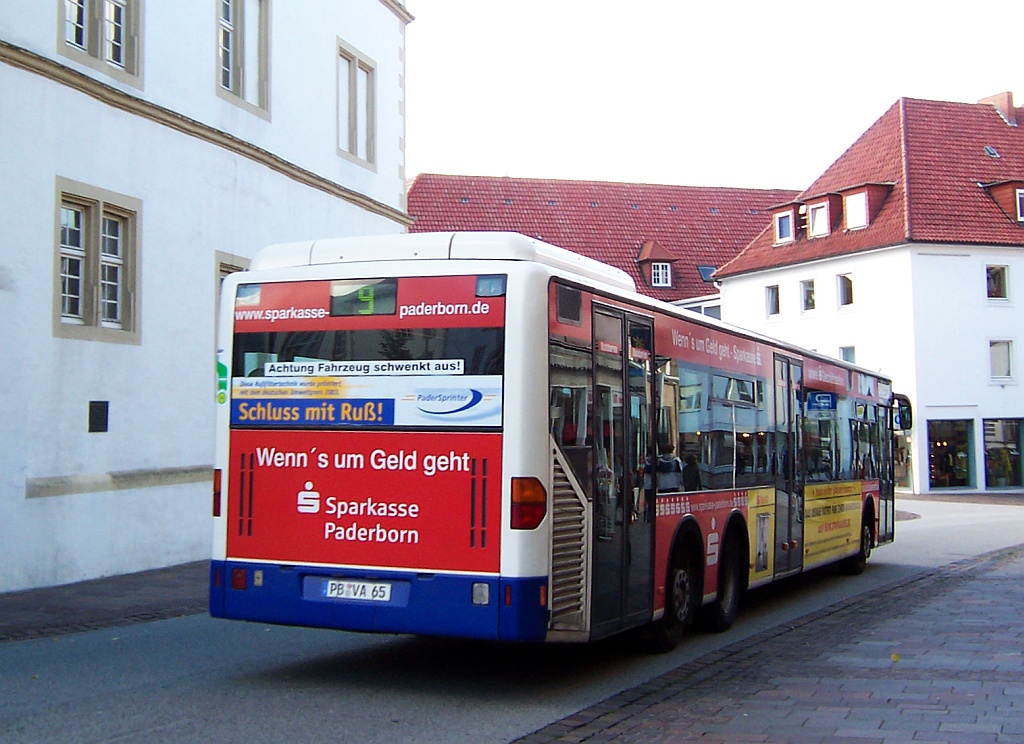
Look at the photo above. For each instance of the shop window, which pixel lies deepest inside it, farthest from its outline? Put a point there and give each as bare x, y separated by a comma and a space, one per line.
950, 444
1002, 453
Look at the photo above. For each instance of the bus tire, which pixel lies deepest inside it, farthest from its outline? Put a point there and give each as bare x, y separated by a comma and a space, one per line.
682, 598
720, 614
854, 565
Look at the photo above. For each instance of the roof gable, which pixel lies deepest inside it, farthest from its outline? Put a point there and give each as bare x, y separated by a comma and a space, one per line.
925, 167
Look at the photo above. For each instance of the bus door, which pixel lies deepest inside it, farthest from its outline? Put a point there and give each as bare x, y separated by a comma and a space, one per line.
622, 593
789, 477
886, 476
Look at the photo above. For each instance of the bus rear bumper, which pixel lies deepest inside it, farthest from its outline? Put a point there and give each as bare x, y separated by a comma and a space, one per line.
429, 604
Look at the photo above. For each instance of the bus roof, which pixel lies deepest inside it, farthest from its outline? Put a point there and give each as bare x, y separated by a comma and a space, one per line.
438, 246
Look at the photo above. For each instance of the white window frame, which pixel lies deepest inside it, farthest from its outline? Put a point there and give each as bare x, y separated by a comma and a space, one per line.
97, 262
1005, 270
243, 54
855, 206
779, 219
844, 298
356, 106
999, 361
807, 295
1020, 205
772, 301
848, 354
818, 225
104, 35
661, 274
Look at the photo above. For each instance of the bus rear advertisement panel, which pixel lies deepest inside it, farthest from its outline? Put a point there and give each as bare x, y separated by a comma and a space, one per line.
404, 501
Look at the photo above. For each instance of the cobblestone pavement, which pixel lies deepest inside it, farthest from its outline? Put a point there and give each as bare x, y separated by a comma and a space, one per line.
939, 658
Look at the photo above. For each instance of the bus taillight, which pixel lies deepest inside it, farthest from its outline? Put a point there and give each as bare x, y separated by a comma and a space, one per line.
529, 503
216, 492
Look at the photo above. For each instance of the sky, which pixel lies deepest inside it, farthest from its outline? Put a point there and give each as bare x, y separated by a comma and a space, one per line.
686, 92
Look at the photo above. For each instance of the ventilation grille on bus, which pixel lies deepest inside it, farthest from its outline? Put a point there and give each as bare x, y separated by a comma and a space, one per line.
568, 556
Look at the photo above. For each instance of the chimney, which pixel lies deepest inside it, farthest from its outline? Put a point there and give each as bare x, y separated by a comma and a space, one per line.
1003, 103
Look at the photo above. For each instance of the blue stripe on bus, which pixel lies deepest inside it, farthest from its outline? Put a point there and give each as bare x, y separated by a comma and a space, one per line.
429, 604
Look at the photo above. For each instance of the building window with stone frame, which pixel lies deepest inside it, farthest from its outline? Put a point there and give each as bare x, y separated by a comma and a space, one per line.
97, 260
243, 54
356, 81
105, 35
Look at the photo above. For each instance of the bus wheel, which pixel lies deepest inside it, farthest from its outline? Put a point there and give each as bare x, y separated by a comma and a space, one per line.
683, 596
719, 616
855, 564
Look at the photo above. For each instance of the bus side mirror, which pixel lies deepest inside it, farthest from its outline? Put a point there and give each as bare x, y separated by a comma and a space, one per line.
903, 418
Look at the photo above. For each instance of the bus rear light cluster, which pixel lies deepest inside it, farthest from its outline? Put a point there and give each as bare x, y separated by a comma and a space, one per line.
216, 492
529, 503
239, 578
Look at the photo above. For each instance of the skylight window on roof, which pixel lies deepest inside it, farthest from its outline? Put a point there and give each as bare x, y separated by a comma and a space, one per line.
706, 272
593, 204
465, 200
992, 152
551, 202
713, 210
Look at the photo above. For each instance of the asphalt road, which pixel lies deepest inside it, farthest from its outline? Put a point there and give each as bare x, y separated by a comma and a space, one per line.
195, 677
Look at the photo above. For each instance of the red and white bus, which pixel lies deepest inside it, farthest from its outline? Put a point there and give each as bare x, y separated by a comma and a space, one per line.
482, 435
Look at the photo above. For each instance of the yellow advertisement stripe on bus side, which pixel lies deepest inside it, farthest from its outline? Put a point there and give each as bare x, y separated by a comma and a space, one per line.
832, 521
832, 515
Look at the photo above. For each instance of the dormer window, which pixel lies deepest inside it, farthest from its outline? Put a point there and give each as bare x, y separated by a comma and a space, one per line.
817, 220
661, 274
856, 209
784, 227
1020, 205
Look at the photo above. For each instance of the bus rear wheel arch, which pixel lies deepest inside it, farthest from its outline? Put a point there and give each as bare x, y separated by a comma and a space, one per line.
732, 581
684, 582
855, 564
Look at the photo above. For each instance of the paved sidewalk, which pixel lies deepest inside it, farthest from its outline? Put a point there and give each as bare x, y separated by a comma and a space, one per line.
938, 658
103, 603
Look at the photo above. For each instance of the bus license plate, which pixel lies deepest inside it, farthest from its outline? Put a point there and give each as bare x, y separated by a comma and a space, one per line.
370, 591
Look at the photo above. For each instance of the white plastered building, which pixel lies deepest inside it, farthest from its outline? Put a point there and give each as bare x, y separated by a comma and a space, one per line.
149, 148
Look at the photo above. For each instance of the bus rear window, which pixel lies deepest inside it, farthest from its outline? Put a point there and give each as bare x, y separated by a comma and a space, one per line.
480, 350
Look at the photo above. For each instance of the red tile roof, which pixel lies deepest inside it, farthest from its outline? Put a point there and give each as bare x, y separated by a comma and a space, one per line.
607, 221
934, 155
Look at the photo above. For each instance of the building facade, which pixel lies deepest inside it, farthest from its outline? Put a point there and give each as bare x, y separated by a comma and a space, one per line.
906, 257
150, 148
